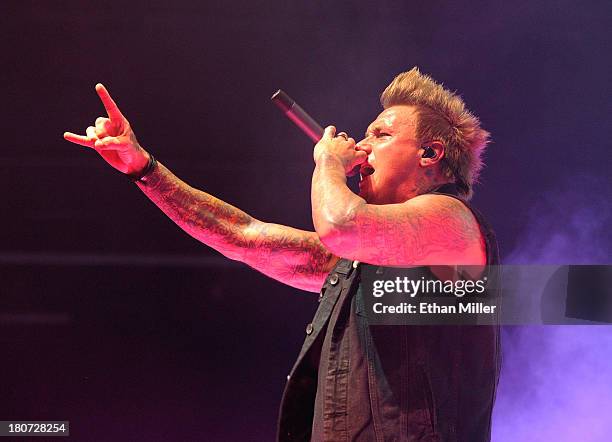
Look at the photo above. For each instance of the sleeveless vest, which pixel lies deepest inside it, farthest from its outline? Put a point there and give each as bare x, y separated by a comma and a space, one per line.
358, 382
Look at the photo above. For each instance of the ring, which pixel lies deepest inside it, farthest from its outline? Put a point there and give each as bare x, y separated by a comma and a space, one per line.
343, 135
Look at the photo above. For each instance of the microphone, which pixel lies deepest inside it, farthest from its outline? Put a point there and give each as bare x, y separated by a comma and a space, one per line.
295, 113
307, 124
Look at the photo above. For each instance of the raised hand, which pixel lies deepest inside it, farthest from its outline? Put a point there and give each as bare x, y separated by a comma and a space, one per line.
113, 138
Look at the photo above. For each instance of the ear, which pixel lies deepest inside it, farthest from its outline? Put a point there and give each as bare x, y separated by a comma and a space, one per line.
438, 149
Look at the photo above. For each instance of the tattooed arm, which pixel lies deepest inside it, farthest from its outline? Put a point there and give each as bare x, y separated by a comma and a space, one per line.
425, 230
294, 257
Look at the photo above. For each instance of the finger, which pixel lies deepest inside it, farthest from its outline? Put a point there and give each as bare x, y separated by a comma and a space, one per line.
361, 156
330, 132
101, 122
354, 171
91, 133
109, 143
109, 104
78, 139
343, 135
108, 128
102, 125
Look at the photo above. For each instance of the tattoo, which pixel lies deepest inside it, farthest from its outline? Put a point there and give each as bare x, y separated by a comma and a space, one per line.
198, 213
289, 255
425, 183
440, 227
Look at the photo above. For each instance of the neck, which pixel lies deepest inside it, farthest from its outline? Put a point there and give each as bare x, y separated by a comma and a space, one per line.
423, 182
426, 182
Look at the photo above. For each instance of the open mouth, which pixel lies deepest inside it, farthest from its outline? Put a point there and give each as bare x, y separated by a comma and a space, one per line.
366, 170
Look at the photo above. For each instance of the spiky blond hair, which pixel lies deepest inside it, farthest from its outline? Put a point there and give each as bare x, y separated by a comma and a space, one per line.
442, 116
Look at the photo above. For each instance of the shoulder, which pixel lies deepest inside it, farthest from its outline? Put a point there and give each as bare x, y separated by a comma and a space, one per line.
442, 208
437, 202
450, 226
425, 230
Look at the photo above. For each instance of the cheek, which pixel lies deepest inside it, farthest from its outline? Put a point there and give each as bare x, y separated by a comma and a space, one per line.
404, 163
396, 170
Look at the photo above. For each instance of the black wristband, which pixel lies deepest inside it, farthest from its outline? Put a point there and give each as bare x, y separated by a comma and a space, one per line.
135, 177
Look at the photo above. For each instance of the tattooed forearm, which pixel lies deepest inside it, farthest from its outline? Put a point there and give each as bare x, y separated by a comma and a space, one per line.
289, 255
332, 201
203, 216
293, 256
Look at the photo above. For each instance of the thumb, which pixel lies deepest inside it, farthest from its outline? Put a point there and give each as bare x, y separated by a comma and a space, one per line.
108, 143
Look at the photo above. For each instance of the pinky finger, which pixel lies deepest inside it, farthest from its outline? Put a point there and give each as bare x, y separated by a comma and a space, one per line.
78, 139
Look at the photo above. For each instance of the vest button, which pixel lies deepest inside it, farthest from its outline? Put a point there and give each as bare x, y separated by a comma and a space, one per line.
309, 329
333, 279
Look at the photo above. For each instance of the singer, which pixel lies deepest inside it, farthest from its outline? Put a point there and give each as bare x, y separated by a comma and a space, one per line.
418, 161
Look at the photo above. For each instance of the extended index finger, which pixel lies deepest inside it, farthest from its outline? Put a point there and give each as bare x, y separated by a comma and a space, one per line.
109, 104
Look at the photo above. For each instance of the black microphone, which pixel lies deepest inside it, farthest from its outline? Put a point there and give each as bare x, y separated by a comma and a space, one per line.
295, 113
306, 123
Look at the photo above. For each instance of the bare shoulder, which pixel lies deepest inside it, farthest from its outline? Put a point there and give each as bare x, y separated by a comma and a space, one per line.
449, 228
425, 230
435, 205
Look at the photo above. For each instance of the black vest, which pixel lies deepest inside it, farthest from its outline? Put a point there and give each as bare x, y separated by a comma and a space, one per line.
359, 382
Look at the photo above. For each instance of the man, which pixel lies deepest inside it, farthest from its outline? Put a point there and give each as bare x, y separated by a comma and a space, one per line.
418, 161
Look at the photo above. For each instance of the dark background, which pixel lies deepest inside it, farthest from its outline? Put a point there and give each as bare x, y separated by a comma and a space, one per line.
113, 318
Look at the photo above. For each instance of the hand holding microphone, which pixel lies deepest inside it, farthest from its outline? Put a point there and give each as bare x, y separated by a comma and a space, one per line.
342, 148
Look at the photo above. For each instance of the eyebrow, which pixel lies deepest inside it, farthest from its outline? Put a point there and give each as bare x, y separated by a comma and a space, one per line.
376, 128
372, 128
